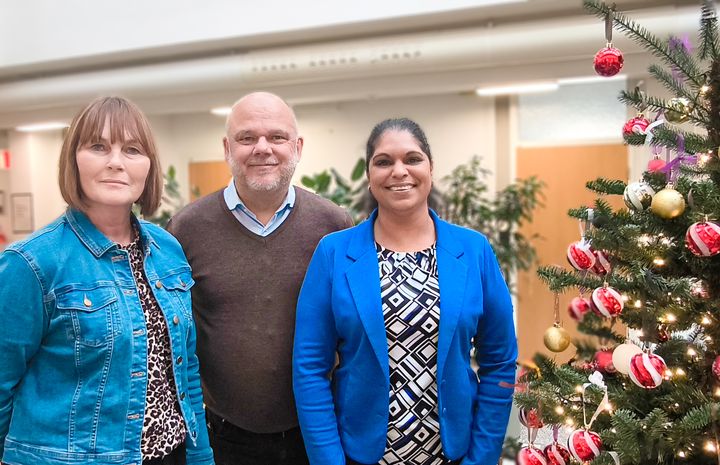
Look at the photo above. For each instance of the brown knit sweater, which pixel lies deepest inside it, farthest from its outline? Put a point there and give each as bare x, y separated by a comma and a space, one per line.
244, 298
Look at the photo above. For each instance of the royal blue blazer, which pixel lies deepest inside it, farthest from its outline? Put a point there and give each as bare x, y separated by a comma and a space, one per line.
344, 409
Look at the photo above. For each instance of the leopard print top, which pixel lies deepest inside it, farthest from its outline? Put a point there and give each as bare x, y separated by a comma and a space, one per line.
163, 424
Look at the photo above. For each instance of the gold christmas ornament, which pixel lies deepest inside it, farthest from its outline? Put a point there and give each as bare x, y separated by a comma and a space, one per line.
668, 203
680, 109
556, 339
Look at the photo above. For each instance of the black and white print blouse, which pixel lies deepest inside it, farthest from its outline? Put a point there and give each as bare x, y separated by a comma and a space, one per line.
163, 426
411, 308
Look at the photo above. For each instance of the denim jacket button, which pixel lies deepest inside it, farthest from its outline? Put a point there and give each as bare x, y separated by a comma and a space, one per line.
176, 320
182, 396
158, 284
87, 302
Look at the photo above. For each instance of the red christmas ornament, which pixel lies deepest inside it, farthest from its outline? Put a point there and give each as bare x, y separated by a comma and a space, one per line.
716, 368
531, 456
606, 302
584, 445
602, 264
530, 418
646, 370
556, 454
580, 256
663, 335
578, 307
608, 61
655, 165
703, 239
603, 361
637, 125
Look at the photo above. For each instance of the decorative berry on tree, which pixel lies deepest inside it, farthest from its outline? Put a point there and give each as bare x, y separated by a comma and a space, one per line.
654, 328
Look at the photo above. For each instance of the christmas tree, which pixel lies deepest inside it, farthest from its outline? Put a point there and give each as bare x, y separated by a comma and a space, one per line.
643, 386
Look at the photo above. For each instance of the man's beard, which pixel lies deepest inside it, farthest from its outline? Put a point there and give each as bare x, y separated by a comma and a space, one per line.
282, 180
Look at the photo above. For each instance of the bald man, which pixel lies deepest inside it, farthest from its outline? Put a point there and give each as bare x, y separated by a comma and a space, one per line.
249, 245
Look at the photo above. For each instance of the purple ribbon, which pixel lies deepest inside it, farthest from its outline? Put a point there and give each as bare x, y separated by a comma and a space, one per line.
671, 168
681, 43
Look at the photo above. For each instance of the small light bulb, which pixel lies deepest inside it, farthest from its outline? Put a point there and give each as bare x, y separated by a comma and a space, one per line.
638, 303
677, 405
613, 430
680, 372
717, 392
671, 318
569, 421
710, 446
559, 410
705, 321
691, 352
668, 374
703, 159
625, 297
659, 261
681, 454
578, 389
704, 88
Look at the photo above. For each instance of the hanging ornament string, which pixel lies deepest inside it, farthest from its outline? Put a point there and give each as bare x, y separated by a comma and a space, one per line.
608, 26
597, 379
649, 131
556, 309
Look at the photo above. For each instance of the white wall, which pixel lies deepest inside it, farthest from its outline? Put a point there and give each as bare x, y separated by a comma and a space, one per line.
457, 126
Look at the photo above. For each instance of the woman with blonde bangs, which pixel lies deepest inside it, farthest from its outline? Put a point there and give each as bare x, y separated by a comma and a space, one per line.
98, 346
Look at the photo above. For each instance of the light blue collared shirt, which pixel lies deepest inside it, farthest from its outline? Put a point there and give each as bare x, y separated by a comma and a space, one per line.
248, 218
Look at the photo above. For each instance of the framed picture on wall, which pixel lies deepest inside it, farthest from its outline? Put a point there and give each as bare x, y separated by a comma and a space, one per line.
21, 213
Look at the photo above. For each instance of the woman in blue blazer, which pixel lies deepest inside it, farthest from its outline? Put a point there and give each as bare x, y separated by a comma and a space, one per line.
386, 320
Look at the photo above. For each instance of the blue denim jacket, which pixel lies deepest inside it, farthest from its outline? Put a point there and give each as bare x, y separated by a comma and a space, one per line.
73, 346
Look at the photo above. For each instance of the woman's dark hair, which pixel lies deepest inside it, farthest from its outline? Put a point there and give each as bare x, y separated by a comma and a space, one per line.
396, 124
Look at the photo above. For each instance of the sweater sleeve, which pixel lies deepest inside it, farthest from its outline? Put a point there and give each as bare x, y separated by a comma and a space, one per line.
495, 353
313, 360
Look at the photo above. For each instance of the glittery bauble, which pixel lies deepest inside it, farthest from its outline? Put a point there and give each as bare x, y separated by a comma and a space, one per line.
668, 204
578, 307
703, 239
622, 355
680, 110
647, 370
602, 264
637, 125
606, 302
556, 339
663, 335
603, 361
531, 456
580, 255
556, 454
638, 196
584, 445
608, 61
655, 165
530, 418
716, 368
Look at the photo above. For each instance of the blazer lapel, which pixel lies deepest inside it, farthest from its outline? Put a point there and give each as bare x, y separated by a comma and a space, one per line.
363, 278
452, 277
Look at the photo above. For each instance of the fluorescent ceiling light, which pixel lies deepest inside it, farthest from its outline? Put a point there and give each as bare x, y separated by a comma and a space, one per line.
221, 111
49, 126
528, 88
590, 79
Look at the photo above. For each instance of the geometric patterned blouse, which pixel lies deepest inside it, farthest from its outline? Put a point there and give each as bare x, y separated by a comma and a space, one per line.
163, 424
411, 309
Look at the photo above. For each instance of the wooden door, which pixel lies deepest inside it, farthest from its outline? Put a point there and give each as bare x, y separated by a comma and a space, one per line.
206, 177
565, 170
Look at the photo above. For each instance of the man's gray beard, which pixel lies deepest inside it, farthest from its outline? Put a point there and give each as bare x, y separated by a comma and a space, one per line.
282, 181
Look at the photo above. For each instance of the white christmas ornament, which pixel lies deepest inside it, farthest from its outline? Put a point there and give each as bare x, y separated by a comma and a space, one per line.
622, 355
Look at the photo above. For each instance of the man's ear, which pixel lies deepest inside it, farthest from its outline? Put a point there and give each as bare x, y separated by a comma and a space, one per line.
226, 148
299, 146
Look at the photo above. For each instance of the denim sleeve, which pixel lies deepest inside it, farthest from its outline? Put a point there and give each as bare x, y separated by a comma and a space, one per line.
313, 360
199, 452
23, 314
496, 353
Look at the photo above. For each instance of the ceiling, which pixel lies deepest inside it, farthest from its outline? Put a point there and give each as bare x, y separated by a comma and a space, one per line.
425, 53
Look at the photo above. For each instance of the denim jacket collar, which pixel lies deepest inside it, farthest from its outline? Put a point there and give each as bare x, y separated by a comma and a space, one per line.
96, 241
